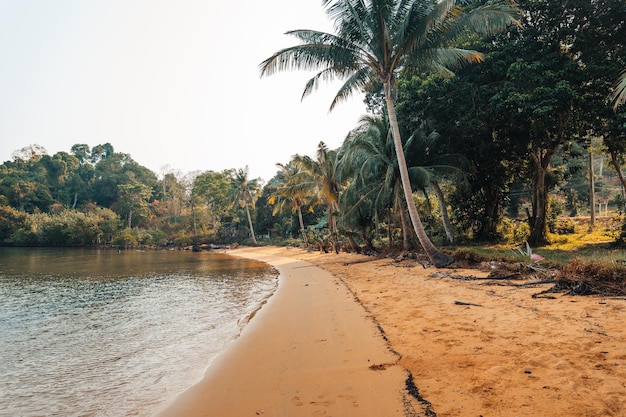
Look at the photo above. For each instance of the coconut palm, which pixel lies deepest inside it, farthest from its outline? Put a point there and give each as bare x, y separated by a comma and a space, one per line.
374, 41
619, 95
245, 192
367, 158
319, 176
430, 168
290, 192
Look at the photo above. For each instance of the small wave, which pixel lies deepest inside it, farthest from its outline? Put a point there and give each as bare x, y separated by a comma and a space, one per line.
121, 346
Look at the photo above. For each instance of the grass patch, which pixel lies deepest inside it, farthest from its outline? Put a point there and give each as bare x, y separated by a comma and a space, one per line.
586, 262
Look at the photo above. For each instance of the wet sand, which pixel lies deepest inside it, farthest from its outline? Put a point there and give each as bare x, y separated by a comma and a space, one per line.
474, 348
310, 351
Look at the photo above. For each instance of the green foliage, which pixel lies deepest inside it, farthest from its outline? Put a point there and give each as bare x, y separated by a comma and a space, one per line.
65, 228
11, 222
522, 122
562, 227
125, 238
513, 232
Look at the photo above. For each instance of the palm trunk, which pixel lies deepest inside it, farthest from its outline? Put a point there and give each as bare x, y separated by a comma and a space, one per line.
444, 211
620, 174
250, 223
539, 198
404, 224
390, 228
439, 259
302, 229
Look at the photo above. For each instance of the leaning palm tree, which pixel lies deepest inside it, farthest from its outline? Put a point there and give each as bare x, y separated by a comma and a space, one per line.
430, 167
374, 41
367, 162
619, 95
245, 191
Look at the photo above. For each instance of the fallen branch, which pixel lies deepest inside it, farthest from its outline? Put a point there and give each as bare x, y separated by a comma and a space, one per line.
463, 303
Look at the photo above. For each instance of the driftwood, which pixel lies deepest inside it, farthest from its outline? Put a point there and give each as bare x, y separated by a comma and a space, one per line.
463, 303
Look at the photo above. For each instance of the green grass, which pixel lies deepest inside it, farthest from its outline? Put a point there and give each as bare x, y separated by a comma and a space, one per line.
587, 261
585, 244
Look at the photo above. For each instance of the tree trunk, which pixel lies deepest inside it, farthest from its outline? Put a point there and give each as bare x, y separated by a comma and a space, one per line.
592, 193
444, 212
404, 224
618, 169
439, 259
302, 229
390, 225
539, 200
489, 227
250, 223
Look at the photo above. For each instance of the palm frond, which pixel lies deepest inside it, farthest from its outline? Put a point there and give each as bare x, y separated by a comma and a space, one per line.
357, 81
619, 95
489, 19
317, 50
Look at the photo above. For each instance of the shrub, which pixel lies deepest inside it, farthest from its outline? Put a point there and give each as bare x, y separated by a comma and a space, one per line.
562, 227
513, 231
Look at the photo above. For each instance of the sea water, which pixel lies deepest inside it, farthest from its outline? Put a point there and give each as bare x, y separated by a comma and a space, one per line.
108, 333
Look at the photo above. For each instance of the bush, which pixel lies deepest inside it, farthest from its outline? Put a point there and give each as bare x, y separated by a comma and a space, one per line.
125, 238
562, 227
513, 231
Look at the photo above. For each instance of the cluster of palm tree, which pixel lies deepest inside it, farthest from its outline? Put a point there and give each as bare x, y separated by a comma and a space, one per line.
374, 41
360, 184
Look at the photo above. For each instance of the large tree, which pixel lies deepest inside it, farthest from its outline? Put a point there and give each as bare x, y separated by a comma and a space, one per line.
374, 41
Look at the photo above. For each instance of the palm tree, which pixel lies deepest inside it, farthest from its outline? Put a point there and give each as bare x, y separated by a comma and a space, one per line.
291, 192
430, 167
245, 191
320, 177
367, 158
374, 41
619, 95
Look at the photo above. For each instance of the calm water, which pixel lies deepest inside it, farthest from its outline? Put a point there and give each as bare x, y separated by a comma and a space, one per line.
102, 333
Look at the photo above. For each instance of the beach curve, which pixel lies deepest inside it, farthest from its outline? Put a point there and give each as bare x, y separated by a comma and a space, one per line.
312, 350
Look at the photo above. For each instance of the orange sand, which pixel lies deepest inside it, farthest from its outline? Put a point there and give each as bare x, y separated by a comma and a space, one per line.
309, 351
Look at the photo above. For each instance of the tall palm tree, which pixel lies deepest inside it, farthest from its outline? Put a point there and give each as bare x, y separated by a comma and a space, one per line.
368, 156
367, 159
245, 192
619, 95
374, 41
320, 177
430, 167
291, 192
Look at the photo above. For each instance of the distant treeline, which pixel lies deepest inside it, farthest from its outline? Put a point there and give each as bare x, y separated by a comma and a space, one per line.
497, 152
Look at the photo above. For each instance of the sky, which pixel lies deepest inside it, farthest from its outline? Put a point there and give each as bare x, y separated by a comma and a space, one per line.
173, 83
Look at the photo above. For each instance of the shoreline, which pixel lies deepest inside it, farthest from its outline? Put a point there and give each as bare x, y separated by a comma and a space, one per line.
470, 346
312, 349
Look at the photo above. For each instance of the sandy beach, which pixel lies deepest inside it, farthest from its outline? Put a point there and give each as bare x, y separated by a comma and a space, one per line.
344, 332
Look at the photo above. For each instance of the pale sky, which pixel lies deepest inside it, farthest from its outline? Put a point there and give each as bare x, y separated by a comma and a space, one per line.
170, 82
